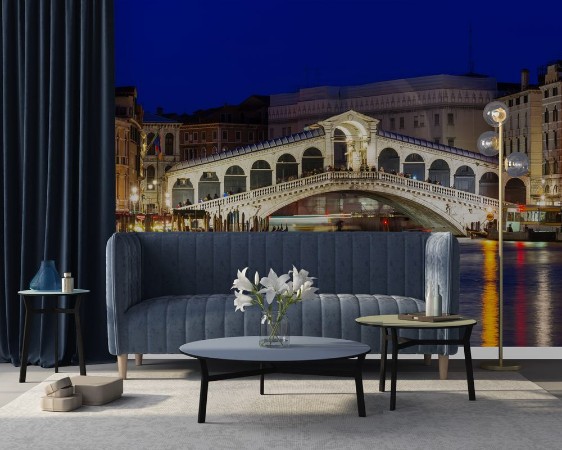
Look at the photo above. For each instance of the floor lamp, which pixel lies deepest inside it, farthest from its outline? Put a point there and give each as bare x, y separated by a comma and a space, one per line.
490, 143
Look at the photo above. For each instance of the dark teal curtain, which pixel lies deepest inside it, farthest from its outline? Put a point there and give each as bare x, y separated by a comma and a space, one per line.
57, 163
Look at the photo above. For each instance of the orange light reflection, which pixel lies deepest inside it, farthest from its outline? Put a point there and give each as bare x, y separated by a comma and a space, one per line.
490, 295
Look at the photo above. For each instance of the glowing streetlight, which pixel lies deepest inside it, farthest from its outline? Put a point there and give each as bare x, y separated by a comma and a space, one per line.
516, 164
134, 197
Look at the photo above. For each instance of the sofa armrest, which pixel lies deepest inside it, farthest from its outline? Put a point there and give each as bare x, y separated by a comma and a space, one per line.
442, 268
123, 285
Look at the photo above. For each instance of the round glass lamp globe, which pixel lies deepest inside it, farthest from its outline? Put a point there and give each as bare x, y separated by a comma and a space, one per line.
517, 164
495, 113
488, 143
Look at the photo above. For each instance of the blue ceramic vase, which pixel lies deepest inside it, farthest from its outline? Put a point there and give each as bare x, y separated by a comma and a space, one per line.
47, 278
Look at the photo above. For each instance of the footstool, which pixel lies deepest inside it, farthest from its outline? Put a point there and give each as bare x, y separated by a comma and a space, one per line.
97, 390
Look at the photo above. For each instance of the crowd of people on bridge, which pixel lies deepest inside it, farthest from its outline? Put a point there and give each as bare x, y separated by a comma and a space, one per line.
317, 171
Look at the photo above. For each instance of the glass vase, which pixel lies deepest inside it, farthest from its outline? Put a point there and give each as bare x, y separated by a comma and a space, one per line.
47, 277
274, 330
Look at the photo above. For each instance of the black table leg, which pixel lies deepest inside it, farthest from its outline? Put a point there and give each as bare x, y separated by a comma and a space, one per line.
56, 342
468, 363
25, 348
79, 342
394, 368
359, 386
384, 352
262, 381
203, 391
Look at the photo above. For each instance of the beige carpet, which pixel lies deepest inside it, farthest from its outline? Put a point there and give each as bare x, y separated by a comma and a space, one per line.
159, 411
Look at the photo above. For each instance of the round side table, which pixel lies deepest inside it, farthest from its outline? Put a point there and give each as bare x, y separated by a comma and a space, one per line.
28, 297
393, 323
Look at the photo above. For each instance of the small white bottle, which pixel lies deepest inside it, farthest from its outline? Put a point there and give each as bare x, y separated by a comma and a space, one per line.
67, 282
438, 306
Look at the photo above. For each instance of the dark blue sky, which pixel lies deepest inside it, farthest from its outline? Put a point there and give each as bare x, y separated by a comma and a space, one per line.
186, 55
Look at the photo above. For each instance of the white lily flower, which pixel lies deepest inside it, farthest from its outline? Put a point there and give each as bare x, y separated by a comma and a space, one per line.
257, 279
274, 285
299, 278
307, 292
242, 300
242, 282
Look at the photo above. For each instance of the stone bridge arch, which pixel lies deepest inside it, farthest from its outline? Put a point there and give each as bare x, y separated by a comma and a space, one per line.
422, 209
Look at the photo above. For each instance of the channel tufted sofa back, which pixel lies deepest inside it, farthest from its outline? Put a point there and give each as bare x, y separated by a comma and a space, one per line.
165, 289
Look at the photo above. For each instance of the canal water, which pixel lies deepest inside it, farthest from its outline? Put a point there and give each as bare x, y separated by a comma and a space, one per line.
532, 307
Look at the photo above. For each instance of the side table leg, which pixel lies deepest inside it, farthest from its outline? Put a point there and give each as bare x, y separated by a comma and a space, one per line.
384, 352
56, 342
394, 369
262, 381
359, 386
25, 348
79, 343
468, 363
203, 391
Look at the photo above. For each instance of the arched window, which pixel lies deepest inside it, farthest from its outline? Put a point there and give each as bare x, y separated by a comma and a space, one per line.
464, 179
546, 115
260, 174
389, 161
555, 115
286, 168
235, 180
169, 144
150, 175
312, 160
414, 167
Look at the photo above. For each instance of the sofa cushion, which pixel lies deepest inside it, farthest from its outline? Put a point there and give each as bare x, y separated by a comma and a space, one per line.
163, 324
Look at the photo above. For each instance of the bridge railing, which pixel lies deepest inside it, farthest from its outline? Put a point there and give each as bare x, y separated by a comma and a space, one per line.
346, 177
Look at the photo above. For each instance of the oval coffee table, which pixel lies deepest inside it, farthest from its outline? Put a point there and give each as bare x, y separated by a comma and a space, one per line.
302, 349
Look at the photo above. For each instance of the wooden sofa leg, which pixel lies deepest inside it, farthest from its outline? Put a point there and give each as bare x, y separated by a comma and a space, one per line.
122, 365
427, 359
138, 359
443, 366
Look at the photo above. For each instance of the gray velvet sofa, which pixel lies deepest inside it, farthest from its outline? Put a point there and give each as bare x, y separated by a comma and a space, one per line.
166, 289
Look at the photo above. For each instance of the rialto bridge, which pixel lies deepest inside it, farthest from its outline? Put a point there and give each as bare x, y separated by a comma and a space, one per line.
440, 187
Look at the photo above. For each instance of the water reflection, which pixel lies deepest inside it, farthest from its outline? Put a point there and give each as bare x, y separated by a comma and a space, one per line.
532, 286
490, 295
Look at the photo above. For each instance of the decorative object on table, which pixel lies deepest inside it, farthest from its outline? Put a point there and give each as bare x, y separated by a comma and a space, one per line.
276, 295
47, 278
516, 165
422, 317
434, 303
67, 282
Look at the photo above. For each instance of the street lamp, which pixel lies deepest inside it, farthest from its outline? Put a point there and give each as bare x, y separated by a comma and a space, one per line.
157, 187
134, 197
516, 164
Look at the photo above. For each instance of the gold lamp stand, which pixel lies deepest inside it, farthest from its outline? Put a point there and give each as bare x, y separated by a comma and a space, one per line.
495, 113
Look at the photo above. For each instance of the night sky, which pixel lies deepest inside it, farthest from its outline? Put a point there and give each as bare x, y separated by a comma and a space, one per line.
186, 55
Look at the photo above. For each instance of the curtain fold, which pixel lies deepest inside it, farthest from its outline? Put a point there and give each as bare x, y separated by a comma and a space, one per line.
57, 166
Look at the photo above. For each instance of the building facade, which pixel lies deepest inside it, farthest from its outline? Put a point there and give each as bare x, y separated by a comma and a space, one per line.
522, 132
551, 133
444, 109
162, 152
128, 150
216, 130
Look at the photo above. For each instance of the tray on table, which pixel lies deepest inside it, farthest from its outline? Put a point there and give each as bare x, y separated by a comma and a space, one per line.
421, 317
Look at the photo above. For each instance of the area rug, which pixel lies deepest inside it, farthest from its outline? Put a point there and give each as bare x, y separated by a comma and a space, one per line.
159, 411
